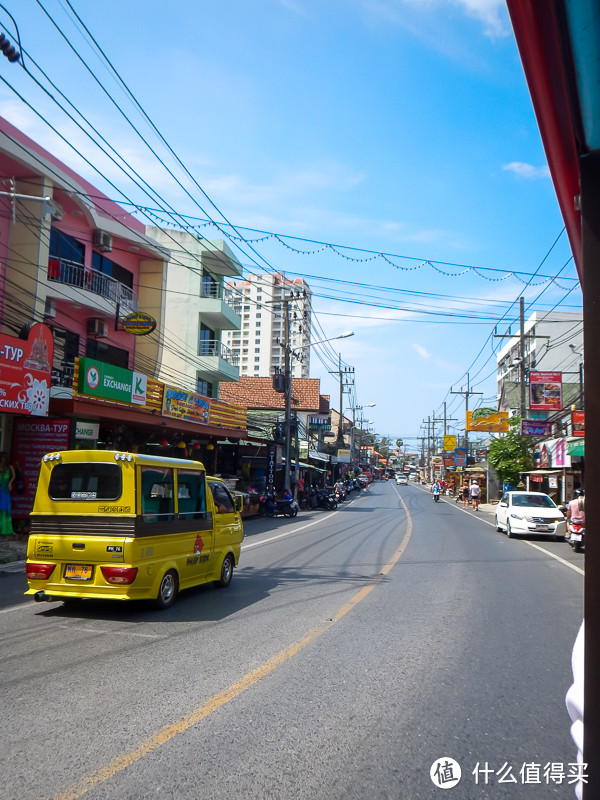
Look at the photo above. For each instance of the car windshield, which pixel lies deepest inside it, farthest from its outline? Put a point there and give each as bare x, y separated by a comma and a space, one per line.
533, 500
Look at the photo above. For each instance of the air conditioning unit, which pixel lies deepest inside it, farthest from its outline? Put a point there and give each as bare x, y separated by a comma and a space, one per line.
50, 309
103, 241
97, 328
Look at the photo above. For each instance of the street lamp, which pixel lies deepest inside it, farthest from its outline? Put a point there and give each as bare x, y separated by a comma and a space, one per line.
288, 395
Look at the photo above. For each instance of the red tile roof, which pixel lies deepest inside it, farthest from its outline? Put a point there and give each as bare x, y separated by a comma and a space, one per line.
259, 393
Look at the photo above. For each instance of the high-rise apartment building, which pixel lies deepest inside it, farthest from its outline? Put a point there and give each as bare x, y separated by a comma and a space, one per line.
260, 302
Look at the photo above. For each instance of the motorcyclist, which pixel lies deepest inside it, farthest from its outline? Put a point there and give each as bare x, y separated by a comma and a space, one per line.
576, 508
436, 489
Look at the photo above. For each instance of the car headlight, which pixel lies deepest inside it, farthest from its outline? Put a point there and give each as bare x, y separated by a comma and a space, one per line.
516, 516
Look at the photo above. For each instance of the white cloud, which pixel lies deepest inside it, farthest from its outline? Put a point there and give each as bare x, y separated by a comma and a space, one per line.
527, 170
420, 16
422, 351
488, 12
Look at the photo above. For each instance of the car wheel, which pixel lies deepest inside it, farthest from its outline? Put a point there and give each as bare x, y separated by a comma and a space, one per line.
168, 589
226, 572
509, 531
498, 528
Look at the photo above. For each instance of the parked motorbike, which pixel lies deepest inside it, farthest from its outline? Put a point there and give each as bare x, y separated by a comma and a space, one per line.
327, 500
576, 536
270, 507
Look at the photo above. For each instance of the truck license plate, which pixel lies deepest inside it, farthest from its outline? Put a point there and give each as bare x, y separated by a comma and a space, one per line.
78, 572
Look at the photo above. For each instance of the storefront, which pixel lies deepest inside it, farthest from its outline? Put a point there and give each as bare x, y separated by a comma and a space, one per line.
111, 408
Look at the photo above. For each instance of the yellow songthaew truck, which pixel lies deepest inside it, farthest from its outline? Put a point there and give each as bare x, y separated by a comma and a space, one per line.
125, 526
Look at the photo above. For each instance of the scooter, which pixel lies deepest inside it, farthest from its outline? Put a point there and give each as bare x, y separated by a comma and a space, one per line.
326, 500
436, 497
576, 536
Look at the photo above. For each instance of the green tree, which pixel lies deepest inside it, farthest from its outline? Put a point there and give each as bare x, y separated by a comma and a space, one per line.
512, 453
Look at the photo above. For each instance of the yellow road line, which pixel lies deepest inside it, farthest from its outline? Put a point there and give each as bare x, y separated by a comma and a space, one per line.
121, 763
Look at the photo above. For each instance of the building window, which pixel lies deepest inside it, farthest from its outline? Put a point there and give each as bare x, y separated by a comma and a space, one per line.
258, 324
258, 316
107, 267
206, 341
204, 387
257, 349
257, 341
256, 358
96, 348
64, 246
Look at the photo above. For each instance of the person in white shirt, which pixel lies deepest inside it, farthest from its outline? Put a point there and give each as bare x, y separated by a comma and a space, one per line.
475, 495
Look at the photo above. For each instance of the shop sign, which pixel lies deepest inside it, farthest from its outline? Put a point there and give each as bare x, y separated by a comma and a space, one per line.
545, 391
553, 453
343, 456
138, 323
180, 404
271, 465
460, 457
449, 443
87, 430
487, 419
32, 439
97, 379
532, 427
25, 371
578, 423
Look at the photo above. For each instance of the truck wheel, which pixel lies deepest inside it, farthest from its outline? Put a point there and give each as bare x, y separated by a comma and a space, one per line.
167, 592
226, 572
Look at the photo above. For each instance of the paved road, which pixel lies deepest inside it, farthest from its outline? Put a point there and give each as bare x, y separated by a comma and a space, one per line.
351, 651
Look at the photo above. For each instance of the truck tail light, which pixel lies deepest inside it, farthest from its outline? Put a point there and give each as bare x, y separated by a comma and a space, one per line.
119, 574
39, 572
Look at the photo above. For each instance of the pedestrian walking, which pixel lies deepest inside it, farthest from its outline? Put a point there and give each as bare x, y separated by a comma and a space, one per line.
7, 477
475, 492
465, 494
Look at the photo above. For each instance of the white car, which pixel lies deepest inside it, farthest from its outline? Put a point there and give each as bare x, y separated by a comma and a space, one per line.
401, 480
520, 513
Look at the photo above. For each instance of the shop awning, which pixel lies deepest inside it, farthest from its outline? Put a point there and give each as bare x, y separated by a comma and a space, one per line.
542, 472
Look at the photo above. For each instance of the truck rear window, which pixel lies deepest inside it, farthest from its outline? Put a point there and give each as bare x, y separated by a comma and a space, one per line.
79, 481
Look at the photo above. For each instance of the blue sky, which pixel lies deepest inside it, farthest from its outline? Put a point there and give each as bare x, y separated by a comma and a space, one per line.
401, 127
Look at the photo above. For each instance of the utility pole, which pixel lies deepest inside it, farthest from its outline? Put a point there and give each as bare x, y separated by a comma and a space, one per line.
521, 357
346, 377
467, 393
288, 392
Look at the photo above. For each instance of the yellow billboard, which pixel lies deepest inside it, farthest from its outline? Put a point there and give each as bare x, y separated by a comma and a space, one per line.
449, 443
487, 419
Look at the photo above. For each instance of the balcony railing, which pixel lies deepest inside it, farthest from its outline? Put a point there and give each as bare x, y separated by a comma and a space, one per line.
216, 291
73, 274
213, 347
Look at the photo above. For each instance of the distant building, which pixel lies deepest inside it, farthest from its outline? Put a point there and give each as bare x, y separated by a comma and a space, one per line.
557, 347
257, 347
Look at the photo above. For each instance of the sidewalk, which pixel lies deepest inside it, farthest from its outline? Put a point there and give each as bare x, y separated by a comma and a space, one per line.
13, 552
